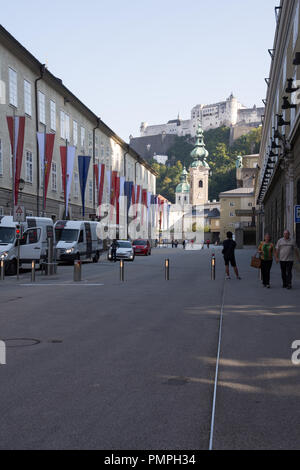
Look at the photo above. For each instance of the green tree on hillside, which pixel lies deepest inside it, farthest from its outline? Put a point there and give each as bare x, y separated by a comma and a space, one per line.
222, 158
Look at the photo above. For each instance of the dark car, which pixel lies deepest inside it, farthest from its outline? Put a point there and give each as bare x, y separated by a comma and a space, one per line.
141, 247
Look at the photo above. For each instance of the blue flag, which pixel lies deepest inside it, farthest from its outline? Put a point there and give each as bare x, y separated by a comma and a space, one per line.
128, 192
83, 168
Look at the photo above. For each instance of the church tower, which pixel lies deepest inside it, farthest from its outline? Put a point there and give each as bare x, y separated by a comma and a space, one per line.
183, 189
199, 171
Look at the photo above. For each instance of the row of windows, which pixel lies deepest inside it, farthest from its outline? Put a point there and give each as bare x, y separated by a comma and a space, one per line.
64, 117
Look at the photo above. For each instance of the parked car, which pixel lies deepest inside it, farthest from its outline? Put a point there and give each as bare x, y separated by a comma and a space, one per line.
77, 240
124, 251
142, 247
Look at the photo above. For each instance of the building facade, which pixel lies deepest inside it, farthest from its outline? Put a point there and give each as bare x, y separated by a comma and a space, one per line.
29, 89
238, 205
278, 184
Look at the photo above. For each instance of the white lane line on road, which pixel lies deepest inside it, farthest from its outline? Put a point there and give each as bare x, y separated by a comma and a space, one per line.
61, 285
211, 439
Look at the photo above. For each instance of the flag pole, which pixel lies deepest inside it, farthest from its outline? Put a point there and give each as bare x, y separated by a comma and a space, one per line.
13, 164
66, 178
44, 175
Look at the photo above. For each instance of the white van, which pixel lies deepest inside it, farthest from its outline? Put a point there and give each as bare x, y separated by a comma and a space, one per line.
77, 240
33, 242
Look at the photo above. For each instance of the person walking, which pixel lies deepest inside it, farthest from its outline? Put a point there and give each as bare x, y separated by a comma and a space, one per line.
114, 247
183, 244
286, 249
229, 256
208, 243
266, 251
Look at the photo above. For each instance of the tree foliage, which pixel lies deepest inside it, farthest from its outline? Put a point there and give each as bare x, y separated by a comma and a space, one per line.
222, 158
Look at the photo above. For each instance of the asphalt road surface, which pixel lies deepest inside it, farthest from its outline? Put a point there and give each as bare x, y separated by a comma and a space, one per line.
108, 365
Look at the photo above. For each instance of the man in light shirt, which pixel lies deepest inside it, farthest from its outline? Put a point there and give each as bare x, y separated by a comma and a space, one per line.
285, 253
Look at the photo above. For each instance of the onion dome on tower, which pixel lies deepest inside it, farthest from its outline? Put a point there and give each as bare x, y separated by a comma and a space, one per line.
199, 153
183, 186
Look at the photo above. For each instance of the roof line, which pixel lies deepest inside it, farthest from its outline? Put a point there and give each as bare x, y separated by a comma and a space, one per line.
59, 84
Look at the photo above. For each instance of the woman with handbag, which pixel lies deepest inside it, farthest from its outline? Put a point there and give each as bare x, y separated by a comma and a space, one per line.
266, 251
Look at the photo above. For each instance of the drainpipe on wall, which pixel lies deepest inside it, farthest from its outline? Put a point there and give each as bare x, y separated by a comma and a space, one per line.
42, 71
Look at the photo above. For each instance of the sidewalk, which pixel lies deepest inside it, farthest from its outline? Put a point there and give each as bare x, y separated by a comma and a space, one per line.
259, 387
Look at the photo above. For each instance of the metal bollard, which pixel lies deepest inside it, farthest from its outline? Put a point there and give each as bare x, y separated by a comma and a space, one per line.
2, 270
167, 269
77, 271
50, 265
32, 271
213, 267
121, 270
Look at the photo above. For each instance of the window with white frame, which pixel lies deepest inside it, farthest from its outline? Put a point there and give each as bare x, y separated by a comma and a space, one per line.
27, 97
54, 177
53, 115
28, 168
42, 108
1, 159
13, 87
232, 204
75, 133
67, 125
231, 214
90, 140
62, 125
42, 176
76, 185
90, 191
82, 136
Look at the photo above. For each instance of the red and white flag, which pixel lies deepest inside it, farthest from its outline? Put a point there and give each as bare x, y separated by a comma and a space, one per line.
16, 128
46, 144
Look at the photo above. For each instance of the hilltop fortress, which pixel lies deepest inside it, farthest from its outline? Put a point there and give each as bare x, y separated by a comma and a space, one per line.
229, 113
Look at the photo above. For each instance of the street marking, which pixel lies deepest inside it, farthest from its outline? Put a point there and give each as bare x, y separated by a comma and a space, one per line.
61, 285
217, 373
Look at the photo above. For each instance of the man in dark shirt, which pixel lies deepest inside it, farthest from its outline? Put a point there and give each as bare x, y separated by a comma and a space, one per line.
229, 256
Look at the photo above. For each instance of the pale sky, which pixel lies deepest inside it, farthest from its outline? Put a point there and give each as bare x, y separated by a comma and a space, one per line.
136, 60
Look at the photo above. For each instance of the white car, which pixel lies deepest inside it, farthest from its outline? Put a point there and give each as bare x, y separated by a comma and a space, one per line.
124, 251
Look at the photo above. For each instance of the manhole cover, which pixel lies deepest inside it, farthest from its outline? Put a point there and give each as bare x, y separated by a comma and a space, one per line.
20, 342
177, 381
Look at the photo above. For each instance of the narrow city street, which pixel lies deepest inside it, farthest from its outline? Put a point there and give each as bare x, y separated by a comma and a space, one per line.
103, 364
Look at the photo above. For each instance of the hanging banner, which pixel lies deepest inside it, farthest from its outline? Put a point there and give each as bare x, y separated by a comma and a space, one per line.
46, 145
83, 169
70, 166
41, 138
16, 128
113, 192
67, 156
118, 198
63, 160
100, 182
128, 190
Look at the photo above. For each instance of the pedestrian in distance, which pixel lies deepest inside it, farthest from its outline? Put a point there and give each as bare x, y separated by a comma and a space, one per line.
229, 247
183, 244
176, 243
286, 249
266, 250
114, 247
172, 243
207, 243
